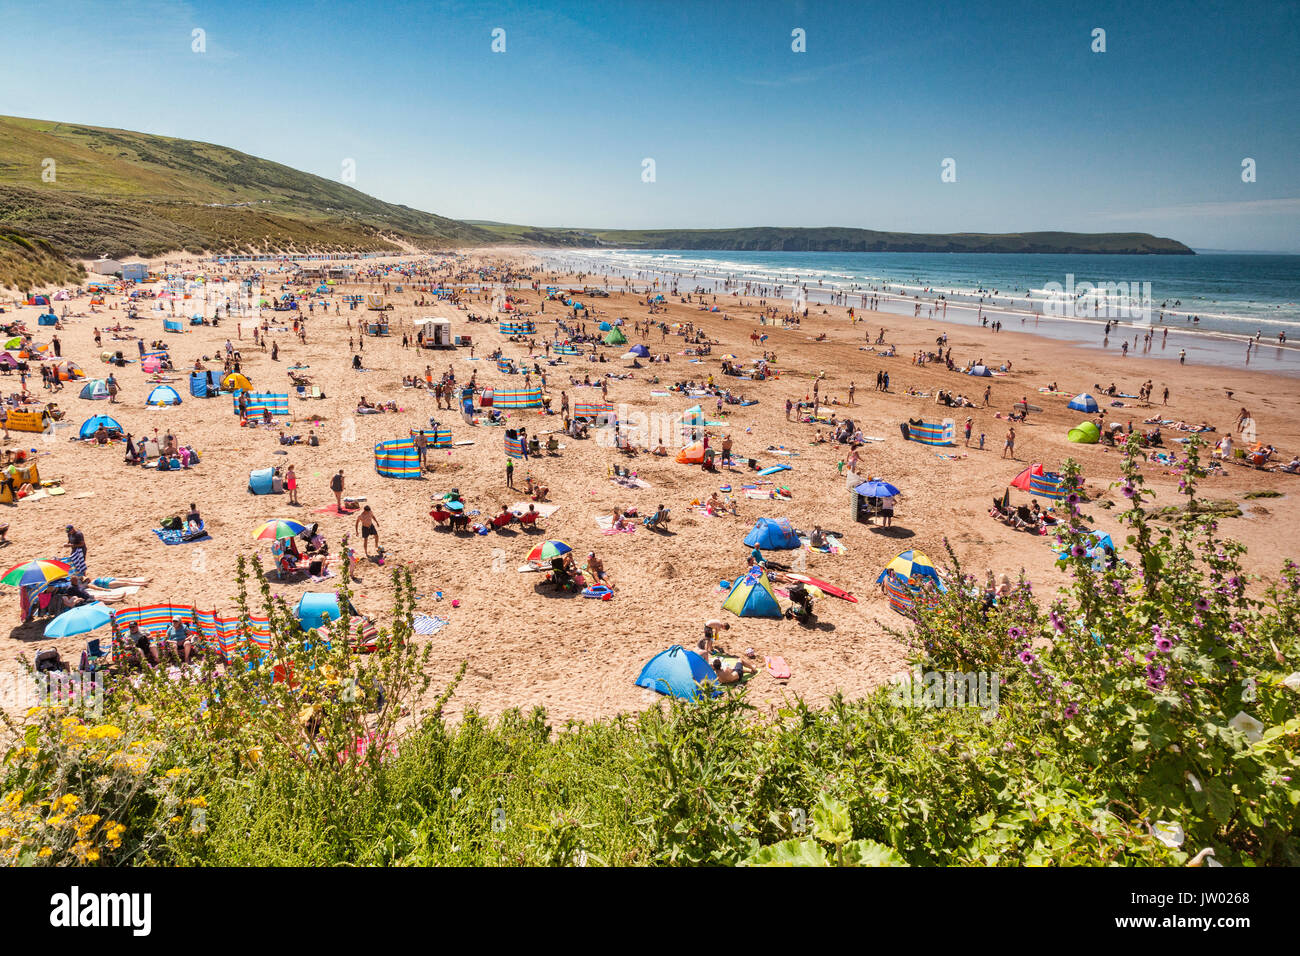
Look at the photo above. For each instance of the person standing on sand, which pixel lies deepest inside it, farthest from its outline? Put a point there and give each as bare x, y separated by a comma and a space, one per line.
853, 387
369, 527
1166, 394
1010, 447
970, 423
988, 390
336, 486
1182, 356
291, 485
510, 473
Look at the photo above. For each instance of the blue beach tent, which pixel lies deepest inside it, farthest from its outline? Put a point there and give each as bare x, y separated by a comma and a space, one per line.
772, 534
91, 425
677, 672
163, 395
1083, 402
316, 608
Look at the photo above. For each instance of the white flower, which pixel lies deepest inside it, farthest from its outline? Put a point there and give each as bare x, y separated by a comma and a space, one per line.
1292, 681
1196, 784
1248, 725
1170, 834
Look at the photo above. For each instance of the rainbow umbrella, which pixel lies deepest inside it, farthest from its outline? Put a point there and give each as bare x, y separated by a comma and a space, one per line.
80, 620
41, 571
911, 564
278, 528
548, 550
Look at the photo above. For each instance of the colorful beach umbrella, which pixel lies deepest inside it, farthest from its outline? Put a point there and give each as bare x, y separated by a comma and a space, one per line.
548, 550
278, 528
876, 489
40, 571
80, 620
911, 564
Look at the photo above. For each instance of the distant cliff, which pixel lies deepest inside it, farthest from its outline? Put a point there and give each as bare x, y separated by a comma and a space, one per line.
837, 239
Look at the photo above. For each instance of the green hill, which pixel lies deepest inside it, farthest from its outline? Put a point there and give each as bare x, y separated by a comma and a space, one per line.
841, 239
118, 193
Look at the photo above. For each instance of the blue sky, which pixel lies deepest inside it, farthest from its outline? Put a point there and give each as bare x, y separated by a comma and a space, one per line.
1046, 134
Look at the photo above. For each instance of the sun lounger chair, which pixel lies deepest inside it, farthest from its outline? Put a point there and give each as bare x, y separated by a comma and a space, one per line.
529, 518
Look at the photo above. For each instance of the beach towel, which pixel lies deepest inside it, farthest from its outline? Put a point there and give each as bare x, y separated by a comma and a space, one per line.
545, 510
833, 545
630, 482
606, 525
426, 624
949, 457
178, 537
334, 510
777, 667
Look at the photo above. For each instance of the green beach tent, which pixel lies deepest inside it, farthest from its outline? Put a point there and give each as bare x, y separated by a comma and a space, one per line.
615, 337
1086, 433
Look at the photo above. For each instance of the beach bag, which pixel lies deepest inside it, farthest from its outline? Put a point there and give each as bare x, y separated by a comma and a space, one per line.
48, 660
171, 524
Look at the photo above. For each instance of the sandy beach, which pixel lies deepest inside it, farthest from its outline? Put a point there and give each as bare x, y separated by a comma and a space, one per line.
579, 658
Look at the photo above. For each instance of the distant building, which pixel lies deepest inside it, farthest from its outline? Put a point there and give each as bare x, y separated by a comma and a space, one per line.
135, 271
105, 266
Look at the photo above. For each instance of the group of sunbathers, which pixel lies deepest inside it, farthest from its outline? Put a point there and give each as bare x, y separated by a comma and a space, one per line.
1029, 517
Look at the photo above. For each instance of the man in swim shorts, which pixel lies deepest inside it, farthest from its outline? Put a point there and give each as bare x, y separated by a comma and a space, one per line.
369, 527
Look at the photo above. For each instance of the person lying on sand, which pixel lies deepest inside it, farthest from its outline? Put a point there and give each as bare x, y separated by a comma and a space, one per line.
733, 674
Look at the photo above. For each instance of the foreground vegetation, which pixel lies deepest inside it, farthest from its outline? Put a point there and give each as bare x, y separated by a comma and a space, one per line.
1146, 715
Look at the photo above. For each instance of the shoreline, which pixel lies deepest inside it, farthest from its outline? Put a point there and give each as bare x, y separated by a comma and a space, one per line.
1208, 347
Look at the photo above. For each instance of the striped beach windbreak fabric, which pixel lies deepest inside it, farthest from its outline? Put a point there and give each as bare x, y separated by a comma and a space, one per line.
904, 597
566, 348
515, 447
397, 458
213, 630
517, 327
932, 434
257, 401
517, 398
439, 437
505, 366
1047, 485
592, 409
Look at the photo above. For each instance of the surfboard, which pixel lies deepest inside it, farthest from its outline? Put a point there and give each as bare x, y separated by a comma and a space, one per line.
825, 586
777, 667
1028, 407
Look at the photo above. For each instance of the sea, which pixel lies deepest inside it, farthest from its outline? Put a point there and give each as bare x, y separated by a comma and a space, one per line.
1230, 309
